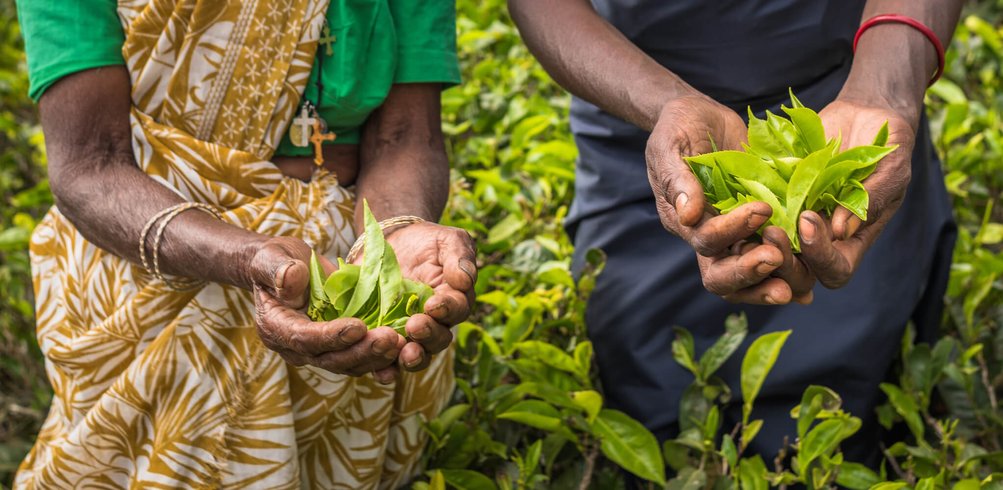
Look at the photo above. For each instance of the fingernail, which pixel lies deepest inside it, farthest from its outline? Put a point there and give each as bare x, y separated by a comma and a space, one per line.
441, 307
280, 274
807, 230
381, 346
681, 200
468, 268
383, 378
412, 363
769, 300
351, 335
422, 333
852, 226
765, 268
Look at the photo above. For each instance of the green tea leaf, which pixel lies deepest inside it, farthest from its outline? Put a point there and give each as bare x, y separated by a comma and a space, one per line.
627, 443
809, 126
825, 438
467, 480
743, 165
906, 407
719, 352
372, 260
758, 362
761, 140
752, 474
590, 401
318, 300
786, 134
881, 139
391, 283
535, 413
856, 476
854, 198
683, 350
801, 183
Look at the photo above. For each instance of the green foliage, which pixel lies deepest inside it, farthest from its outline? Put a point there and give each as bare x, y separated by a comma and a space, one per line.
789, 164
24, 198
375, 292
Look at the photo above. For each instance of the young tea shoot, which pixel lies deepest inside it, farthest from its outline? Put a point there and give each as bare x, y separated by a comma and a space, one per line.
790, 165
374, 292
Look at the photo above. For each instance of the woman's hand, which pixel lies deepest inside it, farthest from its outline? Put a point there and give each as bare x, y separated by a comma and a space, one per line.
442, 257
738, 271
833, 249
280, 277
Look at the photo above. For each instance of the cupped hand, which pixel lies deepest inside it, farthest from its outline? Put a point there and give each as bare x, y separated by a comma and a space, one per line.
280, 278
833, 248
444, 258
731, 266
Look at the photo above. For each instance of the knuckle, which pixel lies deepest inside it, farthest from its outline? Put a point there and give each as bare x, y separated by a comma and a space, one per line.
702, 245
713, 286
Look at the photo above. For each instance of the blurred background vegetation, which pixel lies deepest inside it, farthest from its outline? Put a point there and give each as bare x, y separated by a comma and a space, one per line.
528, 411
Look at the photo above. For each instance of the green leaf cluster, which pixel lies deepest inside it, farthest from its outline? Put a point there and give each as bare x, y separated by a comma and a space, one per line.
789, 164
375, 292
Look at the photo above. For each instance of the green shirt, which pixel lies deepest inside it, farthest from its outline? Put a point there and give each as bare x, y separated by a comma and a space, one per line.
377, 43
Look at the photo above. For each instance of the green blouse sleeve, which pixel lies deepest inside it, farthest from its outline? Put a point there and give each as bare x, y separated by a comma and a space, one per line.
426, 41
67, 36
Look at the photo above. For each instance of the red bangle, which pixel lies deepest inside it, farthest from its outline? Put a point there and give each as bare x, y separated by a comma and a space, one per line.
915, 24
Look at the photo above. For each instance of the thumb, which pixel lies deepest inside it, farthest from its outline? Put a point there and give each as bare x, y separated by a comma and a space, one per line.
283, 276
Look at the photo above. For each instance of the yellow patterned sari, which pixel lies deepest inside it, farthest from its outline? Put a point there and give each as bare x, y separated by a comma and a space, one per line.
162, 389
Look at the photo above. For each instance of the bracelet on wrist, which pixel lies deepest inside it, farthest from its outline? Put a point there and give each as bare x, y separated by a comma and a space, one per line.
164, 217
911, 22
387, 223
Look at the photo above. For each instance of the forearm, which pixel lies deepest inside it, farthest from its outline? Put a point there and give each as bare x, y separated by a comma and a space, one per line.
591, 59
894, 62
404, 169
99, 188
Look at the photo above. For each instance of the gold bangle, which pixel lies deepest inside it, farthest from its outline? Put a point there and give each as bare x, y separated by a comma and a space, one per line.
387, 223
164, 217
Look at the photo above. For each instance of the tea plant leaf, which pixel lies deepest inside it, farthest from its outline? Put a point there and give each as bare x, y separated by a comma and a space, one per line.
752, 474
548, 354
825, 438
590, 401
761, 141
467, 480
371, 265
535, 413
802, 179
391, 284
809, 125
719, 352
318, 300
758, 362
627, 443
856, 476
683, 350
854, 198
906, 407
881, 139
583, 358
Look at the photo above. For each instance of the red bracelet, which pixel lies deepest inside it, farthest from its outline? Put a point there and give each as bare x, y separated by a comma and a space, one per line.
915, 24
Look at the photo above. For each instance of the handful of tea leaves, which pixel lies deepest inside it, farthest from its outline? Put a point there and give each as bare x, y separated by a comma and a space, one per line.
375, 292
791, 166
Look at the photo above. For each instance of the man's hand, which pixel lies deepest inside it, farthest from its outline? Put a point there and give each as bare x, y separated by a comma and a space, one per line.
442, 257
736, 270
833, 249
278, 270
